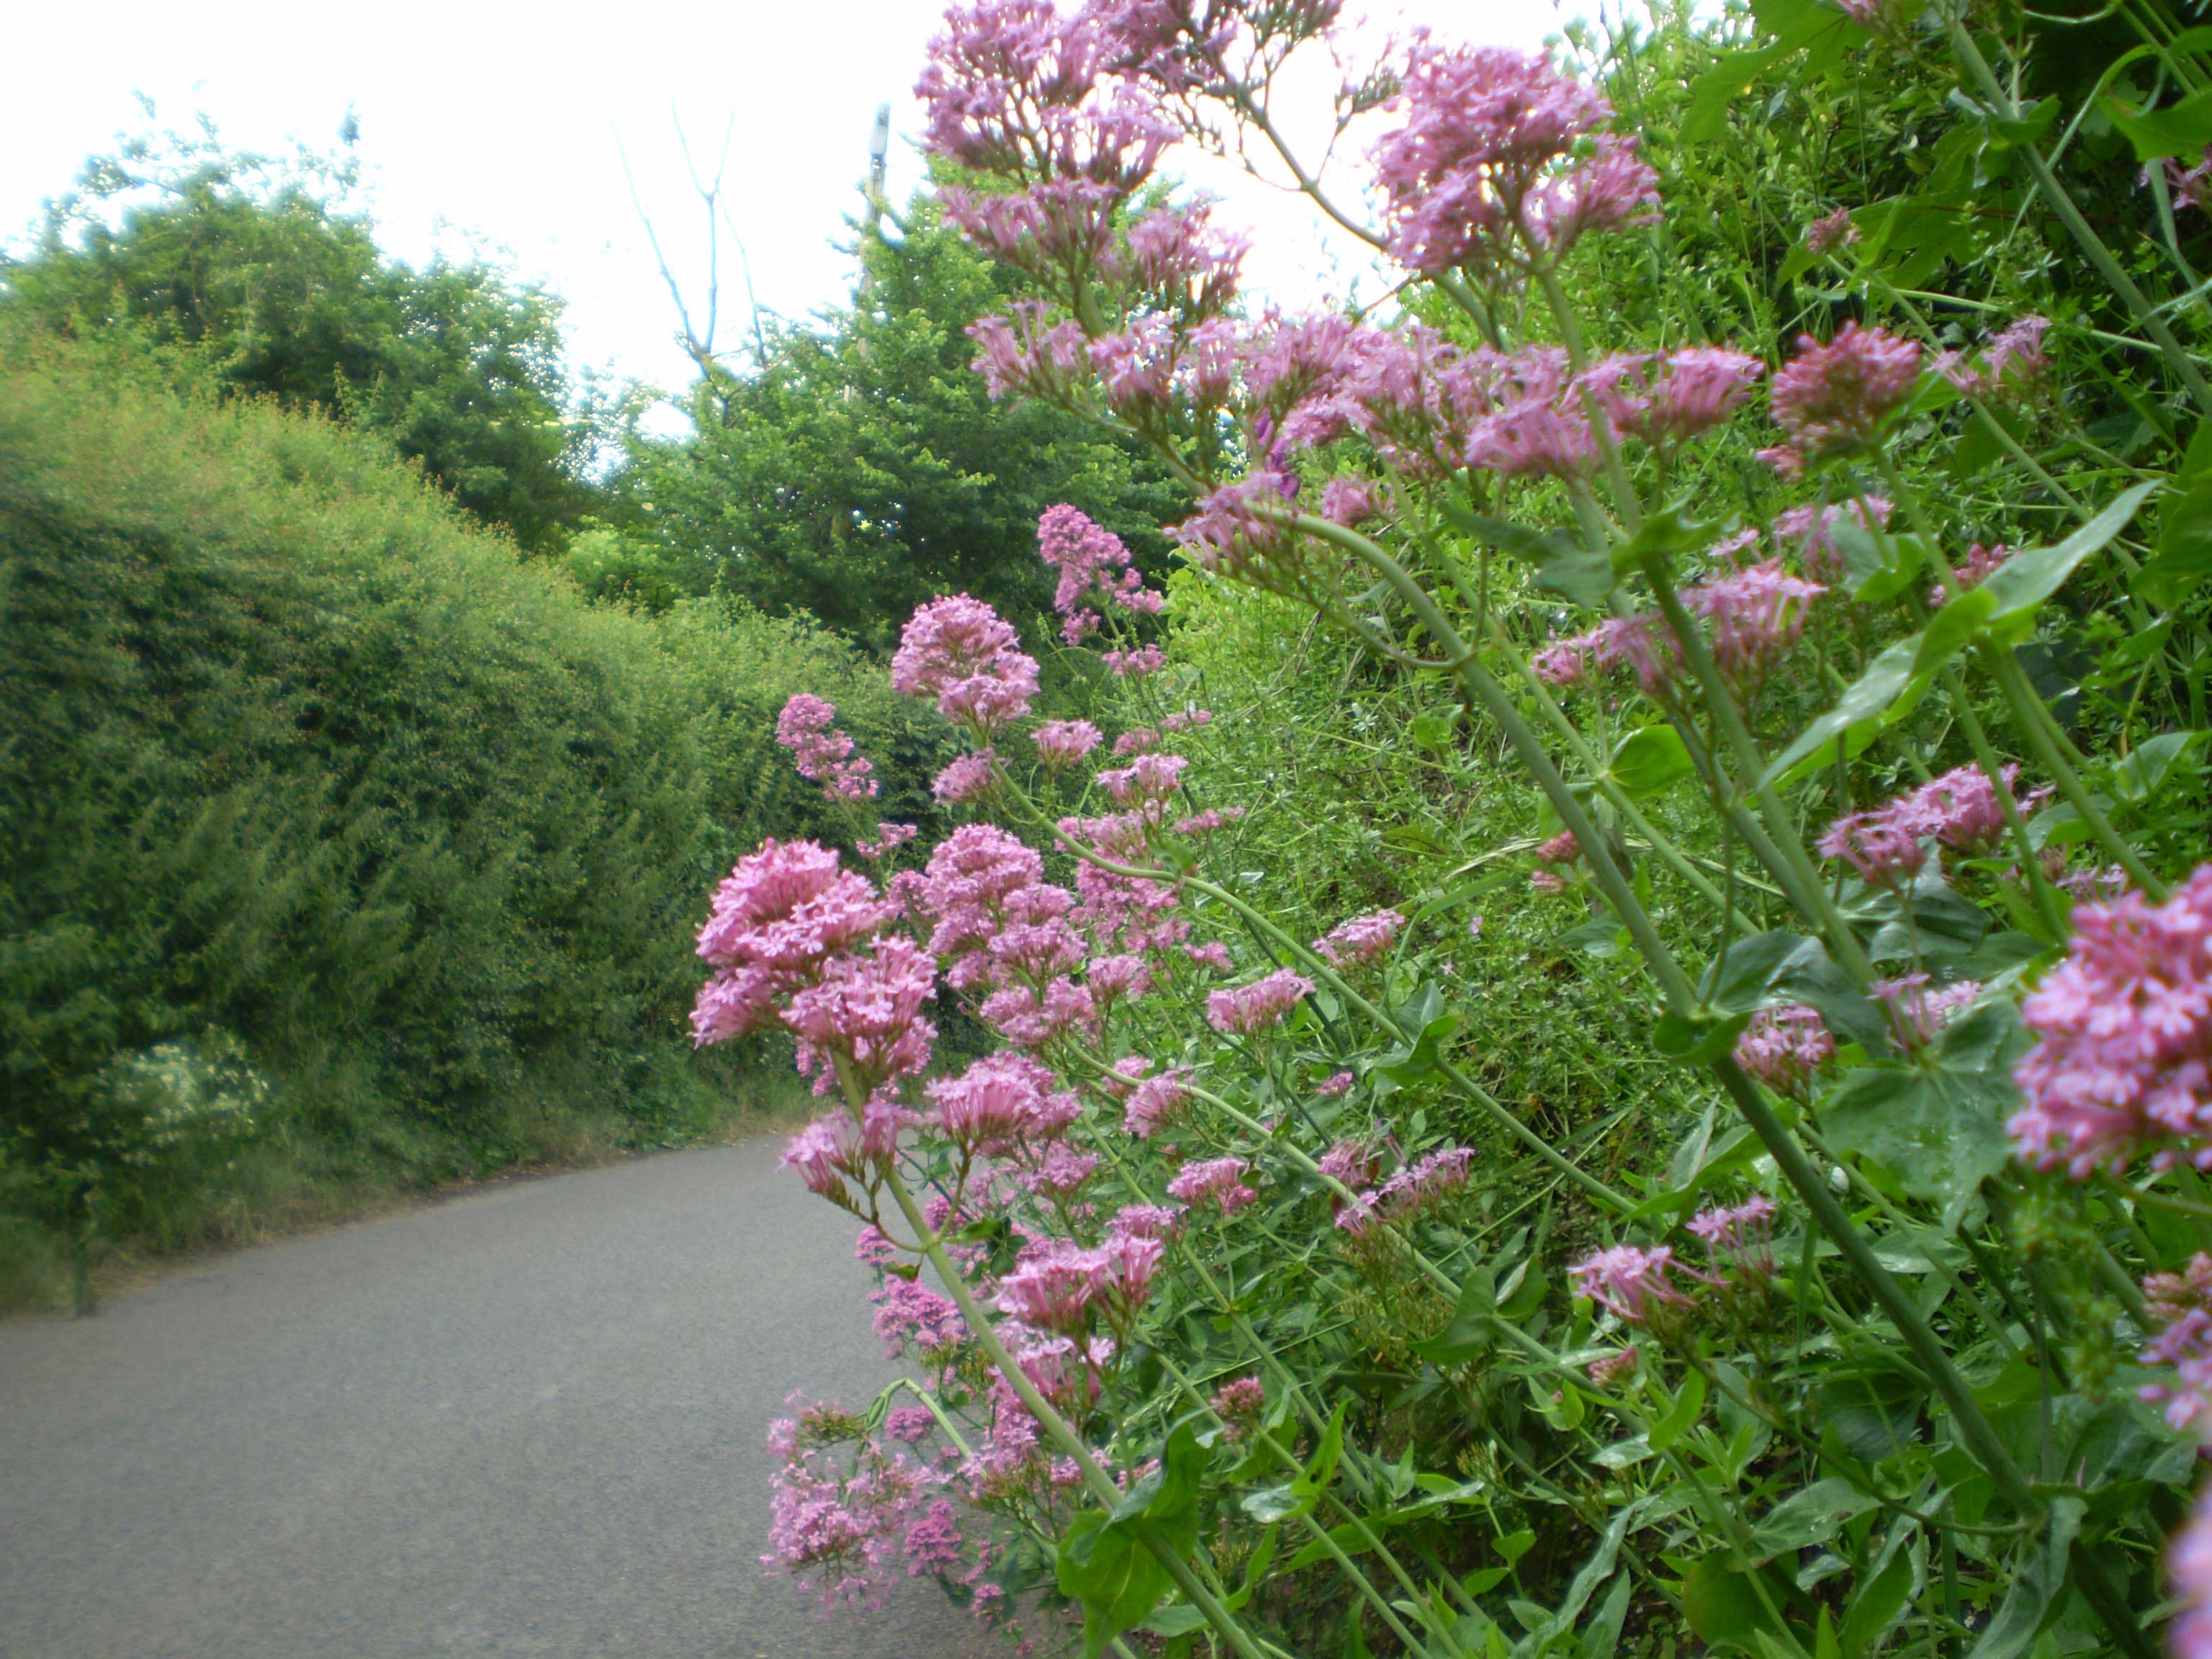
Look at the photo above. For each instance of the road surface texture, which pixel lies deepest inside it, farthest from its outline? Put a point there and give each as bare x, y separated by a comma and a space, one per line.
527, 1421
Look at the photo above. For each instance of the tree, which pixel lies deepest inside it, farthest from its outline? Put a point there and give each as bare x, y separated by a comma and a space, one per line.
858, 467
258, 271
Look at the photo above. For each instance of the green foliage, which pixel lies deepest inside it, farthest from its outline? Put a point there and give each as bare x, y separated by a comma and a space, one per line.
265, 281
331, 839
859, 467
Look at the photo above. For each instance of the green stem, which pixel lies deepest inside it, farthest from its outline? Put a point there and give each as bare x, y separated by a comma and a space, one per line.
2054, 194
1056, 1427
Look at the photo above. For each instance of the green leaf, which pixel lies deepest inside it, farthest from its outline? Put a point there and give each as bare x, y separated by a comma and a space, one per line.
1734, 76
1603, 1630
2018, 588
1255, 1570
1405, 1065
1470, 1330
1563, 563
1177, 1620
1112, 1573
1871, 1408
1857, 719
1651, 761
1938, 1126
2142, 773
2182, 128
2039, 1573
1431, 731
1683, 1415
1880, 566
1668, 531
2183, 555
1724, 1606
1811, 1516
1877, 1604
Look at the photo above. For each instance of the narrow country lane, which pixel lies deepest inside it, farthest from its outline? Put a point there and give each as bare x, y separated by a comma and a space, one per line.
527, 1421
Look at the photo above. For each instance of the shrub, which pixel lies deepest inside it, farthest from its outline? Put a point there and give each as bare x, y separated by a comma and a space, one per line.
307, 781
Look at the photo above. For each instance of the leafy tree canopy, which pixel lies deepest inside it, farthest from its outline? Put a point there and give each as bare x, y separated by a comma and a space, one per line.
259, 270
857, 467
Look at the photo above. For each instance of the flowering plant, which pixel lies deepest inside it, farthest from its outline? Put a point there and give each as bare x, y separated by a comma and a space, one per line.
1229, 1268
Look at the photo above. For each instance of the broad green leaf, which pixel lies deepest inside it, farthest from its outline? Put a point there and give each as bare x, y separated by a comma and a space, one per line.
2143, 773
1649, 761
1666, 532
1470, 1330
1430, 731
1811, 1516
1856, 719
1255, 1570
1111, 1571
1872, 1409
1938, 1126
1563, 564
1177, 1620
2038, 1574
2183, 555
1732, 77
1880, 566
2182, 128
1726, 1608
1683, 1415
1877, 1604
1603, 1630
2018, 588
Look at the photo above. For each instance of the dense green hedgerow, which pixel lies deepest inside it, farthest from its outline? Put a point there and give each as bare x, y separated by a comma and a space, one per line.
337, 845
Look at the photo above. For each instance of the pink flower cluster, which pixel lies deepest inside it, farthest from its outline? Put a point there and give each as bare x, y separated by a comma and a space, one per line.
1094, 571
2122, 1065
837, 1529
1809, 531
958, 651
793, 941
1633, 1284
1741, 1238
1059, 1286
1061, 743
808, 727
2010, 369
1360, 942
1666, 399
1917, 1012
1978, 567
1961, 809
1754, 616
1502, 160
1001, 1104
1412, 1190
1832, 399
1784, 1047
2183, 1305
1216, 1181
1157, 1104
1250, 1010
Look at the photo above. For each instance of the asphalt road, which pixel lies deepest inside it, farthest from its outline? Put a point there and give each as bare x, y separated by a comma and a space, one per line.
527, 1421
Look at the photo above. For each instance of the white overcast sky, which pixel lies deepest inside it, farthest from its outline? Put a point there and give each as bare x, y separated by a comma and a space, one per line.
502, 128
